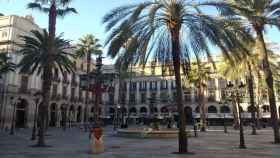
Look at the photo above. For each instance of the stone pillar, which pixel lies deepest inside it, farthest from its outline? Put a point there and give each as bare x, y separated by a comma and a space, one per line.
193, 93
138, 94
217, 90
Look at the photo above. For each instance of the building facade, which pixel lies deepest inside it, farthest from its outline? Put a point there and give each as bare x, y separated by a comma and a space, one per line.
147, 91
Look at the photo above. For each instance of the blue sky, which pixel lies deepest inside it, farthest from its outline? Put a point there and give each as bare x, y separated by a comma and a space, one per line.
88, 21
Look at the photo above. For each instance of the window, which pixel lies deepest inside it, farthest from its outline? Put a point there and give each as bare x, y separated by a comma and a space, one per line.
153, 96
153, 85
164, 97
173, 84
73, 93
132, 98
54, 92
211, 96
171, 71
143, 86
64, 92
187, 96
82, 67
143, 98
163, 84
111, 98
24, 83
211, 84
133, 86
123, 98
80, 93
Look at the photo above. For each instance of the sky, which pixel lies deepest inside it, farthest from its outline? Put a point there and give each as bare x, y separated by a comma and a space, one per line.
87, 21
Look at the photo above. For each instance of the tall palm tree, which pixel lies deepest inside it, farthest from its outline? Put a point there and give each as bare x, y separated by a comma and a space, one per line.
249, 68
124, 62
169, 30
54, 9
88, 46
256, 15
37, 60
199, 76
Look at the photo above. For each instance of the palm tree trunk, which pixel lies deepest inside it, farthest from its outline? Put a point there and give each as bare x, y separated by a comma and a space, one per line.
183, 140
43, 108
235, 114
52, 21
269, 81
202, 108
87, 91
250, 79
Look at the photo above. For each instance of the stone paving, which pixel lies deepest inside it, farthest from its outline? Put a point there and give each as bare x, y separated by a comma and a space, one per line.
74, 143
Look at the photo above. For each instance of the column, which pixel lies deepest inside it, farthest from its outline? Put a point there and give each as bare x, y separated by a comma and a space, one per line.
138, 94
217, 90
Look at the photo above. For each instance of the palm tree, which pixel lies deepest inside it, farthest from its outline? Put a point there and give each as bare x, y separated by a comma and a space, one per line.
169, 30
5, 64
256, 15
37, 59
88, 46
249, 68
54, 9
125, 61
199, 76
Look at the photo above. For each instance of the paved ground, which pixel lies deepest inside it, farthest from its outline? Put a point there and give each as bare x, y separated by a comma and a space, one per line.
75, 144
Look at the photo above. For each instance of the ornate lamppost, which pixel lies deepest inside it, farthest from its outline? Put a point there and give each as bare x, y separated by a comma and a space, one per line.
99, 83
12, 129
194, 124
235, 94
36, 100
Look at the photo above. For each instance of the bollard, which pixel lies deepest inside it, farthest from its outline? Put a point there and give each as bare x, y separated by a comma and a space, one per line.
97, 145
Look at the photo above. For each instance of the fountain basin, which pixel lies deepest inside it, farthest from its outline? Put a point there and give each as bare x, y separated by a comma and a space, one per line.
148, 133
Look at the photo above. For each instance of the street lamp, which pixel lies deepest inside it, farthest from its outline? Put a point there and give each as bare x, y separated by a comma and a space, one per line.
234, 90
224, 122
194, 124
36, 99
116, 122
12, 129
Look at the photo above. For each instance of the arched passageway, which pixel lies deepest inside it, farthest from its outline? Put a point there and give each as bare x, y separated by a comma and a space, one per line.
143, 110
225, 109
164, 110
212, 109
265, 108
111, 111
53, 115
63, 114
21, 113
133, 111
79, 114
71, 115
188, 114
